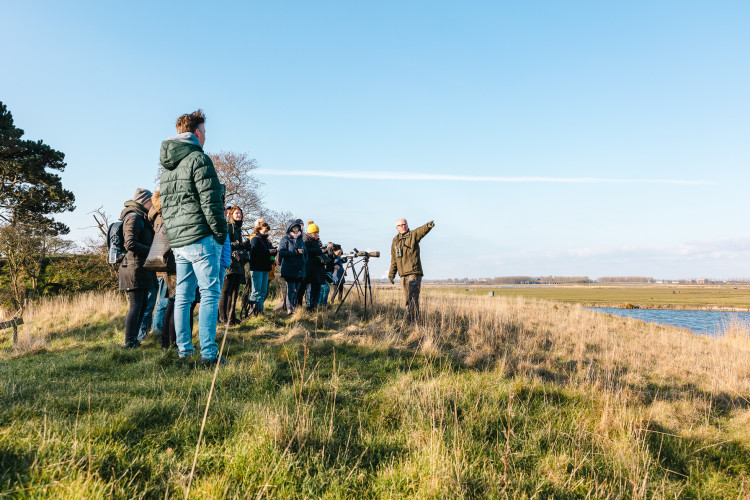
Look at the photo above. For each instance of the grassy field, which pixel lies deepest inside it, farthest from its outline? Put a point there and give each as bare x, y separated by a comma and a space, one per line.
644, 296
487, 398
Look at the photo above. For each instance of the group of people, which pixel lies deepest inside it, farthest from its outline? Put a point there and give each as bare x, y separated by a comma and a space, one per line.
207, 258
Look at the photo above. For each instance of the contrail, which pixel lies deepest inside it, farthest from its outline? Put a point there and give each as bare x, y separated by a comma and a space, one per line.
413, 176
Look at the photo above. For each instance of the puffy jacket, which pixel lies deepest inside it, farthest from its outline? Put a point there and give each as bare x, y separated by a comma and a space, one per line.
260, 253
315, 272
239, 246
137, 238
405, 252
292, 262
190, 192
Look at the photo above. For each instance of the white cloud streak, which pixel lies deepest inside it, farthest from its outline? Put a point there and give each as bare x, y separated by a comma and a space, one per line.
413, 176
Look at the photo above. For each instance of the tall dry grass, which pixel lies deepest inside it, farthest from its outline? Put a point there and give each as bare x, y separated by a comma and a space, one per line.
564, 342
518, 394
56, 318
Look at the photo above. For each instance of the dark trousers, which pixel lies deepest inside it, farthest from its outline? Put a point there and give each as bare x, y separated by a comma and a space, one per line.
337, 290
312, 296
137, 299
228, 299
169, 334
412, 285
292, 288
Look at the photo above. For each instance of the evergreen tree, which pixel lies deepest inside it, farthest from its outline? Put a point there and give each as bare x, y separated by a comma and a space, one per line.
30, 192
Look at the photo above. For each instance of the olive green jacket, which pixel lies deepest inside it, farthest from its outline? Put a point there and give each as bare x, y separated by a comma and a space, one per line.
190, 193
405, 252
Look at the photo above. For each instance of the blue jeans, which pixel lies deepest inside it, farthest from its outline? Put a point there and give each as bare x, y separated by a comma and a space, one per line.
197, 263
161, 306
325, 288
260, 288
148, 313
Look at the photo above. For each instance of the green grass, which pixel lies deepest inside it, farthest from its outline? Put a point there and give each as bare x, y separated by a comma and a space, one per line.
299, 414
647, 296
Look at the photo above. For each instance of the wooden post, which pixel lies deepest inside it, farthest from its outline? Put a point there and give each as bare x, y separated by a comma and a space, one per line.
12, 324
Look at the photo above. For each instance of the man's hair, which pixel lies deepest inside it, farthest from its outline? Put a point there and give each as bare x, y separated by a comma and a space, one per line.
190, 122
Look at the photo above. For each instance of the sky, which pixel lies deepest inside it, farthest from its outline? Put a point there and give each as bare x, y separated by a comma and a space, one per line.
543, 138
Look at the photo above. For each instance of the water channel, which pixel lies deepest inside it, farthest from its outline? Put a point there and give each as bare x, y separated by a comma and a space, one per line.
701, 322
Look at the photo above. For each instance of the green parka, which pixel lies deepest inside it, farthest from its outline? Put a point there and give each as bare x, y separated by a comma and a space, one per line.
190, 192
405, 252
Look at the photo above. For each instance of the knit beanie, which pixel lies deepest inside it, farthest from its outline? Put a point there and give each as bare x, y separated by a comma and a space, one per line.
312, 227
142, 196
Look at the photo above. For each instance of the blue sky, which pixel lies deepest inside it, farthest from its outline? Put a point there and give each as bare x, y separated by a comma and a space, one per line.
569, 138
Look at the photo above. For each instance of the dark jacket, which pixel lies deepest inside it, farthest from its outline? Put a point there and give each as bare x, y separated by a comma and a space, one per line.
239, 249
190, 192
260, 253
315, 272
137, 237
292, 262
405, 252
338, 274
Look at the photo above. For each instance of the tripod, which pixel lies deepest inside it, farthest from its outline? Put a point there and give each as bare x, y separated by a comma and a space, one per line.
363, 287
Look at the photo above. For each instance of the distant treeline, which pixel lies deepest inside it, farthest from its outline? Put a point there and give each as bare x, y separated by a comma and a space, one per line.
625, 279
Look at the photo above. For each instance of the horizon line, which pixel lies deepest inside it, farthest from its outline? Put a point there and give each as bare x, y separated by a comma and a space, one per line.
414, 176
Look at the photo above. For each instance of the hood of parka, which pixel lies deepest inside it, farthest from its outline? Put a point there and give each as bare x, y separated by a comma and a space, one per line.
133, 207
290, 224
176, 148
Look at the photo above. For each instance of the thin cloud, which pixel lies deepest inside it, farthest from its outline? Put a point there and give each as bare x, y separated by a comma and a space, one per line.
413, 176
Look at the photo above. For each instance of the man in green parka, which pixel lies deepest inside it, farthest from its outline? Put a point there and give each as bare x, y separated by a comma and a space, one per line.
194, 219
406, 261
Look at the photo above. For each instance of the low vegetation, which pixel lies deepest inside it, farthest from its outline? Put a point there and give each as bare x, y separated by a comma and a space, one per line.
488, 398
704, 297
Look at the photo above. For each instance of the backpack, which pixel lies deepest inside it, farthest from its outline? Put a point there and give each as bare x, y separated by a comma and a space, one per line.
115, 243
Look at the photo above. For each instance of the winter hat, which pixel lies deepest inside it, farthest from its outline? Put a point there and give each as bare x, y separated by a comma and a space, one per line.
312, 227
142, 196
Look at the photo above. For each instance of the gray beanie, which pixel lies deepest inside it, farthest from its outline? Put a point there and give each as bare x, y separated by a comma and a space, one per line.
142, 196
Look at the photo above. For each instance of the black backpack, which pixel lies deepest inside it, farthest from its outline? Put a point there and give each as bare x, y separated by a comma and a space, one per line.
116, 243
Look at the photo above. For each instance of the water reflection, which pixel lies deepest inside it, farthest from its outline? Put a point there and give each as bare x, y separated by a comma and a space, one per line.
712, 323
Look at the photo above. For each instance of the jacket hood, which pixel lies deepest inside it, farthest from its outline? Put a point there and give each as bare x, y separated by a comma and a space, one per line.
290, 224
176, 148
133, 207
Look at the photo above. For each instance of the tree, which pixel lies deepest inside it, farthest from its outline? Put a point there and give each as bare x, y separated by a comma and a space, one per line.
29, 193
235, 171
29, 196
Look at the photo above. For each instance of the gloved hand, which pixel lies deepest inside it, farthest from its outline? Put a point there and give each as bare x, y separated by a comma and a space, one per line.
392, 283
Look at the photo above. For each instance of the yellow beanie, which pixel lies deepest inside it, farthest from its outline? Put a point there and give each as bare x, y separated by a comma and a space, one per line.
312, 227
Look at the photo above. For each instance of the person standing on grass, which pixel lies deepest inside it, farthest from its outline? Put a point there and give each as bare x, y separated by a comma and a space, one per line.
196, 228
245, 306
315, 272
406, 261
262, 255
236, 273
339, 276
138, 234
293, 255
